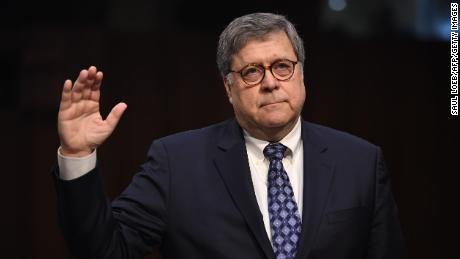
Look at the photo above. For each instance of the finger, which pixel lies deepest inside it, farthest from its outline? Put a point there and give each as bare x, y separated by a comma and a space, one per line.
95, 91
89, 82
98, 80
114, 116
66, 95
77, 89
81, 81
92, 70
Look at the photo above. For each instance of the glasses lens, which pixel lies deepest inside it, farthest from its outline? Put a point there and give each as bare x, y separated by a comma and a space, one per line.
252, 74
283, 69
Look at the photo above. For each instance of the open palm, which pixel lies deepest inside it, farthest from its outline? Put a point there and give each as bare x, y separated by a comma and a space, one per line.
81, 127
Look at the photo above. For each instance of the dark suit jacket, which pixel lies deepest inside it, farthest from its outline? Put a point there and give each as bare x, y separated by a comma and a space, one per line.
194, 198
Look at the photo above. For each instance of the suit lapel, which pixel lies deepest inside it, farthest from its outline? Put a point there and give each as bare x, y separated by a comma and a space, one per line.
318, 174
232, 163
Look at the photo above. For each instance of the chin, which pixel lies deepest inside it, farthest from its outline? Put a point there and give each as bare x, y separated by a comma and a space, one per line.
276, 121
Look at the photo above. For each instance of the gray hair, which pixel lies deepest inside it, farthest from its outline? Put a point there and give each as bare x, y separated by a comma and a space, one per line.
254, 26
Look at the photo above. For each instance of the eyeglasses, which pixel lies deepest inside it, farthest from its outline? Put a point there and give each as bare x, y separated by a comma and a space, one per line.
253, 74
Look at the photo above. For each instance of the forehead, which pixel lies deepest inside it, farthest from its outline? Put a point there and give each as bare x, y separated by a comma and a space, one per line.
275, 45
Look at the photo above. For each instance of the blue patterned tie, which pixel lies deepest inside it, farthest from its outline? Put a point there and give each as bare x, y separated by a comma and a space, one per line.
284, 215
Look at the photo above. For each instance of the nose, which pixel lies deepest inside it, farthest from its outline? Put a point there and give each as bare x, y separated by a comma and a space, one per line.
269, 83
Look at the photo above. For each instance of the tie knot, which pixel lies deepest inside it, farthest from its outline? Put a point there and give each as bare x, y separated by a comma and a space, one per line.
275, 151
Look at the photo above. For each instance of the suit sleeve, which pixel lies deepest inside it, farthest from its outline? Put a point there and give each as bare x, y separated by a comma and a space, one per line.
130, 226
386, 239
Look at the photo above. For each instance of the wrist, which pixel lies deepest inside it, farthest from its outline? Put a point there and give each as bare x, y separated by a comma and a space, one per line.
74, 152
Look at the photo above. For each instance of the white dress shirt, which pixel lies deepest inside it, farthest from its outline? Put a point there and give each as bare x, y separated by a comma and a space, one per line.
292, 162
71, 168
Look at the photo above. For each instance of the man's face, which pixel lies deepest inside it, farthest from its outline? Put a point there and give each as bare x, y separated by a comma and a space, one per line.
271, 105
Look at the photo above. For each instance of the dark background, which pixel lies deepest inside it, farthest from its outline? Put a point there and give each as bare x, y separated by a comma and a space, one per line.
377, 69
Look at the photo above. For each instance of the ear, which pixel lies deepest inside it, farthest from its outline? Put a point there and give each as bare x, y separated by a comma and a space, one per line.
228, 88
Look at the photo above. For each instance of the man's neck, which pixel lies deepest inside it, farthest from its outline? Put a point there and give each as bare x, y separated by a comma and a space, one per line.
272, 134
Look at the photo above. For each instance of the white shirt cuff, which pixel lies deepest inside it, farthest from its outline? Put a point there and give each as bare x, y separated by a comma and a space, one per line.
73, 167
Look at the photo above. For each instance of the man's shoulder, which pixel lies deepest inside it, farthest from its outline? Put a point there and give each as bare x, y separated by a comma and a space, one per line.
330, 137
197, 136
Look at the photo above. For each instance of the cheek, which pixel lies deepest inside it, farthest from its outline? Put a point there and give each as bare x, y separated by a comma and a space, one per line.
246, 101
302, 94
298, 95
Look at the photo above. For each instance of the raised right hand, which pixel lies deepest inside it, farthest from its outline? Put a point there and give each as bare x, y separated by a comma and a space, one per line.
80, 125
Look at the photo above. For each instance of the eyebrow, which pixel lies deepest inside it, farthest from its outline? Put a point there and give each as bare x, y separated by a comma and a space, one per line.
262, 64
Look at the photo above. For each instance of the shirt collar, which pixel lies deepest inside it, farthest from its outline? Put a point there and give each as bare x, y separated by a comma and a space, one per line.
291, 141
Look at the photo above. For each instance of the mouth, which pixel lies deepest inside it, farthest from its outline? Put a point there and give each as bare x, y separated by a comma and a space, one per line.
271, 103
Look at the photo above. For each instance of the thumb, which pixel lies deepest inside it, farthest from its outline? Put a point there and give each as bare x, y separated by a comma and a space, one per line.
114, 116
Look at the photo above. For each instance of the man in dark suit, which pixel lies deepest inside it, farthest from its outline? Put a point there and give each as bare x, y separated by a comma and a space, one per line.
263, 185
